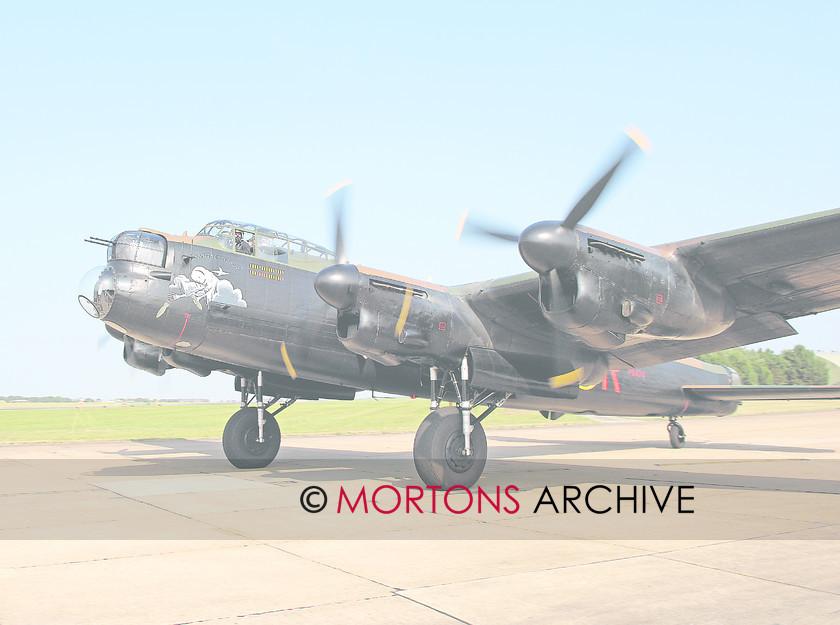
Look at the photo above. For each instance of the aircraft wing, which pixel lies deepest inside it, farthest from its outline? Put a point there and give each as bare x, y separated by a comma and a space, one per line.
773, 272
790, 267
750, 393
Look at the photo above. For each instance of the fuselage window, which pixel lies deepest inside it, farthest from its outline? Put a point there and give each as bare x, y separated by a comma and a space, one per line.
271, 248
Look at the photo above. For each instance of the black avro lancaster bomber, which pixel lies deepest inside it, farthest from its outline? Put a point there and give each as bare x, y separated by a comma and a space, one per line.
600, 326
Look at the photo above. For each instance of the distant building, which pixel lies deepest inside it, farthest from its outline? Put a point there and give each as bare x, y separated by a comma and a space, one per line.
833, 360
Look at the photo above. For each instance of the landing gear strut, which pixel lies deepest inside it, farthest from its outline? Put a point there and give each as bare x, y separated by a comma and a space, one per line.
450, 447
251, 438
676, 433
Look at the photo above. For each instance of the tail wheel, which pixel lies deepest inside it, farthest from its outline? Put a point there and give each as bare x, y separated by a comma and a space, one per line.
241, 444
438, 450
676, 434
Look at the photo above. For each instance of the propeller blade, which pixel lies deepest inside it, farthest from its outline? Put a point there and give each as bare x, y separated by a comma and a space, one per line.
566, 379
461, 223
340, 252
637, 141
473, 227
102, 341
338, 198
497, 234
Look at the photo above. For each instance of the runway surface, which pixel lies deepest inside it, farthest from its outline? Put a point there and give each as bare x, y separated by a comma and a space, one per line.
165, 531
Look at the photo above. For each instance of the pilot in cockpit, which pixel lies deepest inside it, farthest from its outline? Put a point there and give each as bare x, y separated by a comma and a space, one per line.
242, 245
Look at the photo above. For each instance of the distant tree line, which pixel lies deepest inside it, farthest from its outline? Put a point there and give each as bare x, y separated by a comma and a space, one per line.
762, 366
54, 399
44, 400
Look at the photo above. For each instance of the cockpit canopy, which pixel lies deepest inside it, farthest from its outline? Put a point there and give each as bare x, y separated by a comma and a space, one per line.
263, 242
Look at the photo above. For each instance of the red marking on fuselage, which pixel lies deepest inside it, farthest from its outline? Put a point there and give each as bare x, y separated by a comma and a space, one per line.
613, 373
186, 321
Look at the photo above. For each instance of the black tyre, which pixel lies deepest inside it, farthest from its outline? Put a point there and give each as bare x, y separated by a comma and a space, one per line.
677, 435
240, 443
437, 450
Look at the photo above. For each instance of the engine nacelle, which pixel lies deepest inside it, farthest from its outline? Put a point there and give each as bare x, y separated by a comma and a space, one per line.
392, 321
610, 291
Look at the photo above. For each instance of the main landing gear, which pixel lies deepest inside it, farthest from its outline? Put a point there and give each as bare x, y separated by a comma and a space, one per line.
450, 447
252, 437
676, 433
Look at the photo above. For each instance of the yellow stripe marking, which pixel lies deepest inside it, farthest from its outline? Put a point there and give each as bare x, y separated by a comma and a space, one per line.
409, 293
573, 377
289, 368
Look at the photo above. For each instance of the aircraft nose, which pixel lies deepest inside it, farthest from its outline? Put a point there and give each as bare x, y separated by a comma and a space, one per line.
96, 291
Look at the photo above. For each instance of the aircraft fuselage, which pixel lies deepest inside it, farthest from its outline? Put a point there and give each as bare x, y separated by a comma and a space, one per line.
200, 308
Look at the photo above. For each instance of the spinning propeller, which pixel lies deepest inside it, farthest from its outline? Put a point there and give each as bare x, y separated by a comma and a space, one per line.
338, 284
548, 245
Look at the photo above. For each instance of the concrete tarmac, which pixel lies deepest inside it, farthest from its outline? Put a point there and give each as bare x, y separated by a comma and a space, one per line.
165, 531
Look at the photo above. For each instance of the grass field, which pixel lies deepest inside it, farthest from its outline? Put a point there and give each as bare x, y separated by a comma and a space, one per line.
110, 421
103, 421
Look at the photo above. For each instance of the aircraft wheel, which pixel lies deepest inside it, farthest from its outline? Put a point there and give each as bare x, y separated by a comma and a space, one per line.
437, 450
677, 435
240, 443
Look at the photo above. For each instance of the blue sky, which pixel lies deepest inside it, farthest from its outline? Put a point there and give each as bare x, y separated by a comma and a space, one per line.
167, 115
